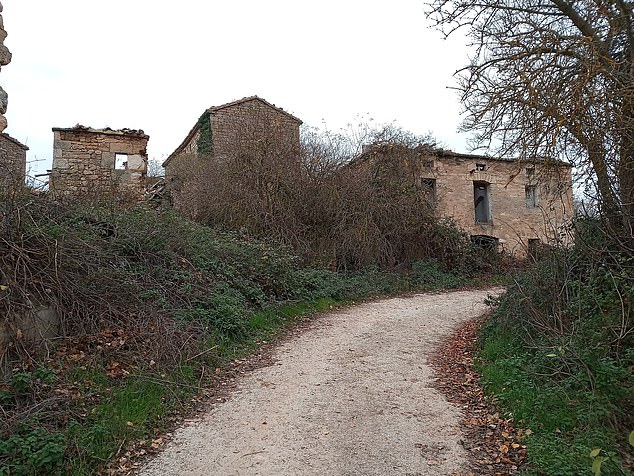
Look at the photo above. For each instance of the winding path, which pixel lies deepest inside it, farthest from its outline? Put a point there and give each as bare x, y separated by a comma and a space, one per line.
349, 396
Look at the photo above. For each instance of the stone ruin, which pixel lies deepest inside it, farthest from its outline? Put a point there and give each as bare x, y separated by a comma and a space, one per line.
5, 59
99, 163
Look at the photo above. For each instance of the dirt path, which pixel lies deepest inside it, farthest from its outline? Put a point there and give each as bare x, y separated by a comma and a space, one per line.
350, 396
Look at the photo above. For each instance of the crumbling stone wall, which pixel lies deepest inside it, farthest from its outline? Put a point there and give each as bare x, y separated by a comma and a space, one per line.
513, 221
235, 127
5, 59
99, 162
12, 162
524, 201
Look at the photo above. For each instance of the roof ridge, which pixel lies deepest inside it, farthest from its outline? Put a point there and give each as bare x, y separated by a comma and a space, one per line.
253, 98
15, 141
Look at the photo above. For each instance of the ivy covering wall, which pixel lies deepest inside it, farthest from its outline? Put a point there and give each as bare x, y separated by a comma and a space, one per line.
205, 144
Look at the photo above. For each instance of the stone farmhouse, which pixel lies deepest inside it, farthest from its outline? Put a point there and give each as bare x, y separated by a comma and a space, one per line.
224, 131
99, 163
513, 204
12, 162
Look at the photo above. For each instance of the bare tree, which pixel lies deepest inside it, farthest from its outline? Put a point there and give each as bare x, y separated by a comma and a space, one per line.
553, 78
154, 168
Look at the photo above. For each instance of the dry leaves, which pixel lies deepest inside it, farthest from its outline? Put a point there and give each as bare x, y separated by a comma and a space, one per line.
492, 441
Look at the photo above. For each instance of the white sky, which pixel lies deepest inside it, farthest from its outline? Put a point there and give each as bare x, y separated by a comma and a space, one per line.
157, 65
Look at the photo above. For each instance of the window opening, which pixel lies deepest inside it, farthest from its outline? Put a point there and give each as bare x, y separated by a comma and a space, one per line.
481, 167
428, 164
428, 186
120, 161
530, 172
531, 196
481, 200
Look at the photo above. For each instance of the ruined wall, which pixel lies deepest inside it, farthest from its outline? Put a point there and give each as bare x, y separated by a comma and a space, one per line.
240, 126
12, 162
5, 59
512, 220
237, 128
99, 162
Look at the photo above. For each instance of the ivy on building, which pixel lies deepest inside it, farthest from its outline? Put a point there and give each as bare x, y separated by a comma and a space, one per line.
205, 146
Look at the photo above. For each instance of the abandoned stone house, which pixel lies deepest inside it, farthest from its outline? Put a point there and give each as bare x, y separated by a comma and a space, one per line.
12, 162
510, 203
235, 128
100, 163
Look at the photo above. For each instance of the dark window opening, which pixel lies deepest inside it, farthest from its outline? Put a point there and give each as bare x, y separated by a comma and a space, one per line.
485, 242
120, 161
428, 186
481, 201
481, 167
531, 196
428, 164
530, 172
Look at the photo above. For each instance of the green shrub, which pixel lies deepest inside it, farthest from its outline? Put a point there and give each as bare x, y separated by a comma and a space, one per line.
557, 354
430, 275
32, 450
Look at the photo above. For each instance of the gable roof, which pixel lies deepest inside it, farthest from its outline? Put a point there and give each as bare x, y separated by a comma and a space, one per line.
15, 141
214, 109
253, 98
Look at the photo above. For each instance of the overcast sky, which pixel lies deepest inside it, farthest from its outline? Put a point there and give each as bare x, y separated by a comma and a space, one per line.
157, 65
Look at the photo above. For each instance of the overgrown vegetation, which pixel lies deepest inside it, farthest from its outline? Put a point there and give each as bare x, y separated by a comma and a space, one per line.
559, 355
151, 308
332, 204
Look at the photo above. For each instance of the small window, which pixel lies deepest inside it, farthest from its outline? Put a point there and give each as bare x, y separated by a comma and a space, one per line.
428, 186
428, 164
530, 172
531, 196
481, 167
120, 161
481, 201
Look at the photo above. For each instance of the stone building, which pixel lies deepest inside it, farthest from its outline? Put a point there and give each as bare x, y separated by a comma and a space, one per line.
5, 59
12, 162
99, 163
234, 128
515, 204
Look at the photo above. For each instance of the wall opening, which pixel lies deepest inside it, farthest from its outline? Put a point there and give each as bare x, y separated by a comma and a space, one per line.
481, 167
531, 196
481, 202
485, 242
120, 161
428, 186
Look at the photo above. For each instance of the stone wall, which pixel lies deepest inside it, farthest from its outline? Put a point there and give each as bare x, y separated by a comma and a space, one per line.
514, 220
245, 124
101, 163
239, 128
5, 59
12, 162
523, 201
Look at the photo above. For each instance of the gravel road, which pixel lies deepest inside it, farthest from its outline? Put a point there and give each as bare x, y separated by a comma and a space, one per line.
349, 396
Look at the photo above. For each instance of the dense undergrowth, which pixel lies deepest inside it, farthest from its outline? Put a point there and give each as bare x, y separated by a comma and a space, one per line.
152, 308
559, 356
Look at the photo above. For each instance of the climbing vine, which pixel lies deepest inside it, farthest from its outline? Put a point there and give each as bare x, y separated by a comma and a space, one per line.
205, 137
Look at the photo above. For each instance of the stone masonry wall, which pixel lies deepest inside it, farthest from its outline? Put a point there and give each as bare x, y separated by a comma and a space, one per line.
5, 59
12, 162
239, 128
513, 222
84, 161
243, 124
